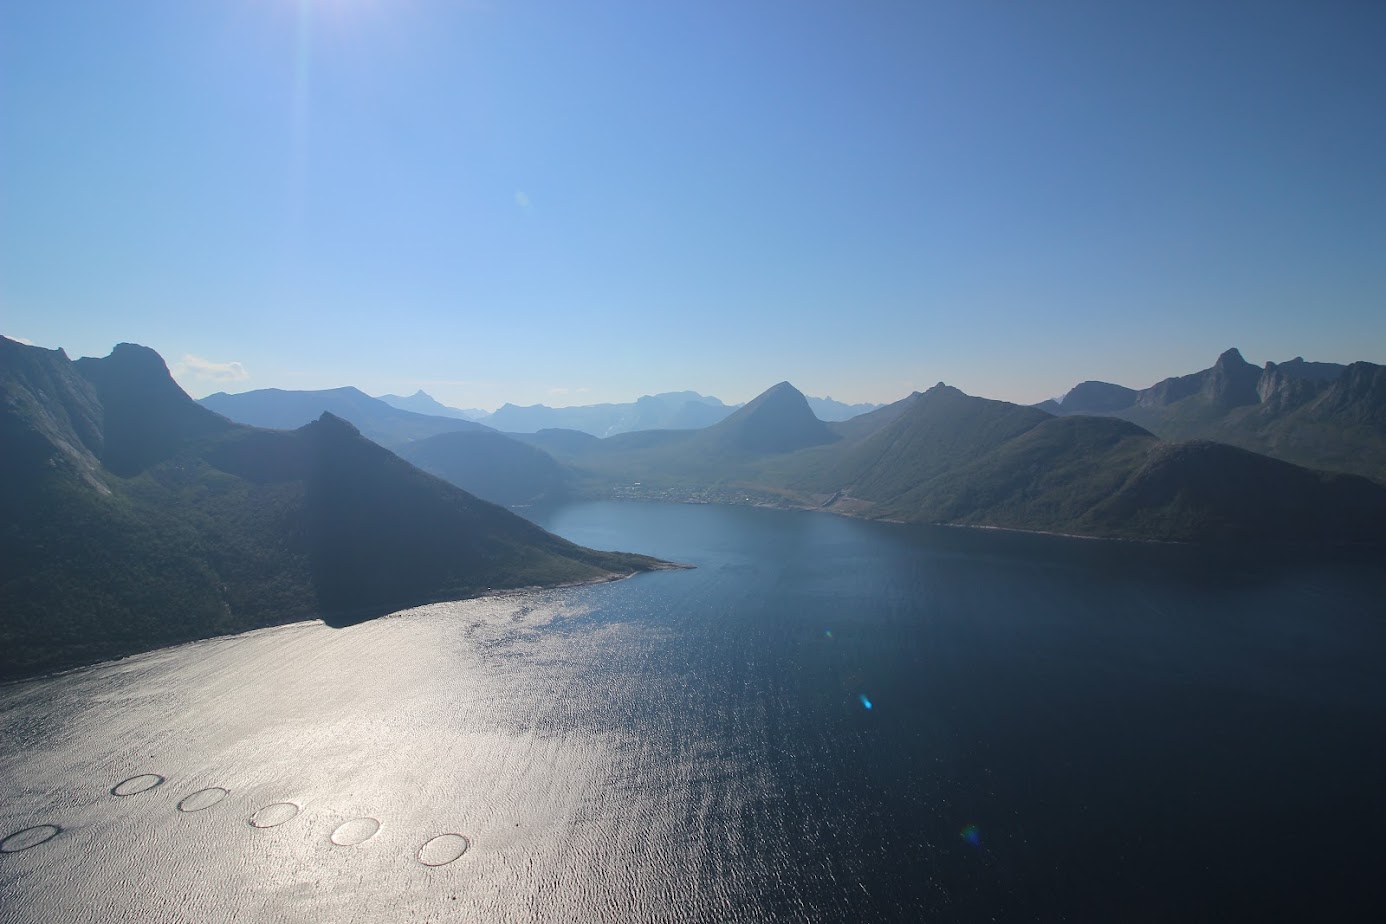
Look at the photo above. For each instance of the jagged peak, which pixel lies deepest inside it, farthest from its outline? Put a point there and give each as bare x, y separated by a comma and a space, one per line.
943, 389
330, 422
127, 359
12, 343
1231, 356
131, 365
131, 350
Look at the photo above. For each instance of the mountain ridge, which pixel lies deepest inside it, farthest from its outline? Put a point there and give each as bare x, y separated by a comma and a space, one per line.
1322, 415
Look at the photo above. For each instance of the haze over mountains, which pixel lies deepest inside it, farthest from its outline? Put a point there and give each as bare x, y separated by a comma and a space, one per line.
278, 409
674, 410
394, 421
134, 518
421, 402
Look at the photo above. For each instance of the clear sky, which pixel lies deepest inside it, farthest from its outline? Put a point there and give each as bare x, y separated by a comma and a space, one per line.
569, 202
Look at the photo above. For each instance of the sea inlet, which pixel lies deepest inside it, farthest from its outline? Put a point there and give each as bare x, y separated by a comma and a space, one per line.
827, 720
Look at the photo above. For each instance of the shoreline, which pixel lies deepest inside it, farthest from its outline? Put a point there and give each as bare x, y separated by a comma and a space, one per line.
1214, 543
608, 578
823, 508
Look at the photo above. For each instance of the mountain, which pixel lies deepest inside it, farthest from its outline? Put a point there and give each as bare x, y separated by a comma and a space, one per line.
132, 517
778, 420
675, 410
947, 457
644, 463
826, 409
1322, 415
939, 431
421, 402
559, 443
865, 424
954, 458
286, 410
492, 466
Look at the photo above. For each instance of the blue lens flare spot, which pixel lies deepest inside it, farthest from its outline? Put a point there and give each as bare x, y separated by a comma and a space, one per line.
865, 703
972, 835
828, 633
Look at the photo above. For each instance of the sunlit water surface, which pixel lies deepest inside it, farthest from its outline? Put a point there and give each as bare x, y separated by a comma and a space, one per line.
828, 720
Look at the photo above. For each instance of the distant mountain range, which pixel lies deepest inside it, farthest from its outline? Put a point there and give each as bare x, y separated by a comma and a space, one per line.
421, 402
1323, 415
287, 410
946, 457
676, 410
673, 410
133, 517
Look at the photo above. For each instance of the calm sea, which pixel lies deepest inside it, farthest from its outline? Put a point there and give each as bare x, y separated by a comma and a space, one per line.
827, 720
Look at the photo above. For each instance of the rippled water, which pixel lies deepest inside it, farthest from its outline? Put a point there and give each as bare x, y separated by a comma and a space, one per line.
827, 720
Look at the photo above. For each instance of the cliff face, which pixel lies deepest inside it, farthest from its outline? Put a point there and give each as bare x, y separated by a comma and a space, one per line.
1357, 396
1230, 382
50, 416
1278, 391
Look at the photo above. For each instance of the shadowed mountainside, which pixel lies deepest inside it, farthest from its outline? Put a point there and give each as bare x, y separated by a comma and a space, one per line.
492, 466
135, 518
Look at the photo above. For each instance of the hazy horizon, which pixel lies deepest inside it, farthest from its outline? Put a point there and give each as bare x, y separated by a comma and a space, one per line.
199, 388
540, 203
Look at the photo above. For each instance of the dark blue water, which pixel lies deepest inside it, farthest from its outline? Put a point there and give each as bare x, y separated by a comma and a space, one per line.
963, 725
827, 720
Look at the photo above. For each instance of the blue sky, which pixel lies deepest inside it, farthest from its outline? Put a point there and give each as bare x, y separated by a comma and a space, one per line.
569, 202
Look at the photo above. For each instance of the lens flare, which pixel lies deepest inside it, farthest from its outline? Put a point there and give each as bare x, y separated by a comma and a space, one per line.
865, 703
972, 835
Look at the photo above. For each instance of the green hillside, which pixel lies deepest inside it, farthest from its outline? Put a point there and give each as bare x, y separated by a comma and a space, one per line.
947, 457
